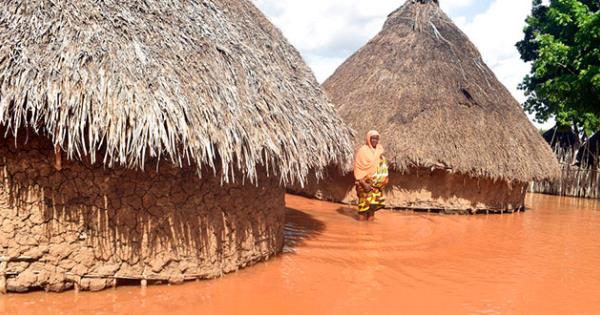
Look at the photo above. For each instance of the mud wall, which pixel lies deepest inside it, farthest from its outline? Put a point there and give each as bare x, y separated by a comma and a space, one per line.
425, 190
86, 226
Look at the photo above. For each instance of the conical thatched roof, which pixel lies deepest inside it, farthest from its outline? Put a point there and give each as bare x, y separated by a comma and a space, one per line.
424, 86
565, 138
191, 81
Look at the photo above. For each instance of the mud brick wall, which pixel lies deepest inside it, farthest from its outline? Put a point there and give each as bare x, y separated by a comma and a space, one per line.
85, 224
424, 189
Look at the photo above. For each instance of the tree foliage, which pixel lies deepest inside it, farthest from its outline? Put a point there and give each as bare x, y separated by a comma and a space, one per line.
562, 41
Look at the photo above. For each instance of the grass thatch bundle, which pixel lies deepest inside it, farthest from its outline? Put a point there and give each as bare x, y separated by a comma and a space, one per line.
424, 86
190, 81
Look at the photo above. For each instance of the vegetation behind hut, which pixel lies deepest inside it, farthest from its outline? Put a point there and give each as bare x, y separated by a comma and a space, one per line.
562, 42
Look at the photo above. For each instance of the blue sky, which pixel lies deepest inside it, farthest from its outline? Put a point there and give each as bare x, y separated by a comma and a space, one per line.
326, 32
473, 9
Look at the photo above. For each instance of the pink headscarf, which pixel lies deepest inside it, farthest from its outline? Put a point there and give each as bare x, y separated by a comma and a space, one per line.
367, 158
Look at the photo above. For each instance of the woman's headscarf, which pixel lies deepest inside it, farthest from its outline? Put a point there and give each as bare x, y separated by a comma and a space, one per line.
367, 158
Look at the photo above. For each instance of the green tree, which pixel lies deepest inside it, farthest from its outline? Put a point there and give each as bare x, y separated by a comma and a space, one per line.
562, 41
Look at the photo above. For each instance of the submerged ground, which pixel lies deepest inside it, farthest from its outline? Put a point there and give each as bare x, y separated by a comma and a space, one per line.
543, 261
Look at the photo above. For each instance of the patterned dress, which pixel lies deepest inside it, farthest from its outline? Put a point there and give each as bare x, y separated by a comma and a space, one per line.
374, 198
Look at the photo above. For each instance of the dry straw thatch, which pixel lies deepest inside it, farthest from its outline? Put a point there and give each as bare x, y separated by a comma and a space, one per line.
424, 86
189, 81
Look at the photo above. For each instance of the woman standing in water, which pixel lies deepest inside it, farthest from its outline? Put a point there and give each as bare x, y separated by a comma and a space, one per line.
371, 174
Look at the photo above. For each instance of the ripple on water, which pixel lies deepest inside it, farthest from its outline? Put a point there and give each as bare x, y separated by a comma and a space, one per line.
543, 261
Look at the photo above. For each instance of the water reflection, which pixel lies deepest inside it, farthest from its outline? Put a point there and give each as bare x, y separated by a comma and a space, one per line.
543, 261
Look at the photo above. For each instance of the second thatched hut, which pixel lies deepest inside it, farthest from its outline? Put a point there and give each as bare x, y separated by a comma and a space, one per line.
456, 138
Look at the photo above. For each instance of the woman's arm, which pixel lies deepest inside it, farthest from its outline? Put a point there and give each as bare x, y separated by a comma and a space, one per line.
365, 185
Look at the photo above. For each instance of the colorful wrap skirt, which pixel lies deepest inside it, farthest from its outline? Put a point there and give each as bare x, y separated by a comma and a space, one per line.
374, 199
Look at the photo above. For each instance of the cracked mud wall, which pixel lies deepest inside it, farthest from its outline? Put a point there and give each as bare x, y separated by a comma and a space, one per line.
424, 189
86, 224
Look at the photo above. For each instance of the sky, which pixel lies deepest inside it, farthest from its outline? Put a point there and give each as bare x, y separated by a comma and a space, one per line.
327, 32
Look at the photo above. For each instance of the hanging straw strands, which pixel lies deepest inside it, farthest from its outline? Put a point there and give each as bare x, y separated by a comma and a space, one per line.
123, 82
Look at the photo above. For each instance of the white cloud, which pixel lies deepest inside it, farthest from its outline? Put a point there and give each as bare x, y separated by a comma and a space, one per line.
328, 31
448, 6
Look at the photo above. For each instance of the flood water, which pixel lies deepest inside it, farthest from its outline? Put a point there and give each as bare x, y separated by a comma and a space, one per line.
543, 261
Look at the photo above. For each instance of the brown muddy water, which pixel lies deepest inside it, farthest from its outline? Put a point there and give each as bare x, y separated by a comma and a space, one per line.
543, 261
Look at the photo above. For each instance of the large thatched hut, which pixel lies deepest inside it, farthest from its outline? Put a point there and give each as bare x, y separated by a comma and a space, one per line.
455, 137
149, 140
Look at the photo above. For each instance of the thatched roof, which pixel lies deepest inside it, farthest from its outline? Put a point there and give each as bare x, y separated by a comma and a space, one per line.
424, 86
191, 81
565, 138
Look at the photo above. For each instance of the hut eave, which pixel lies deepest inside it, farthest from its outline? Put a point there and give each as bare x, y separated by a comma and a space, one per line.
209, 83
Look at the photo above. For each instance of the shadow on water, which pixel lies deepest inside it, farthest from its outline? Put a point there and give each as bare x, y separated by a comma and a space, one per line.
300, 226
352, 212
349, 212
